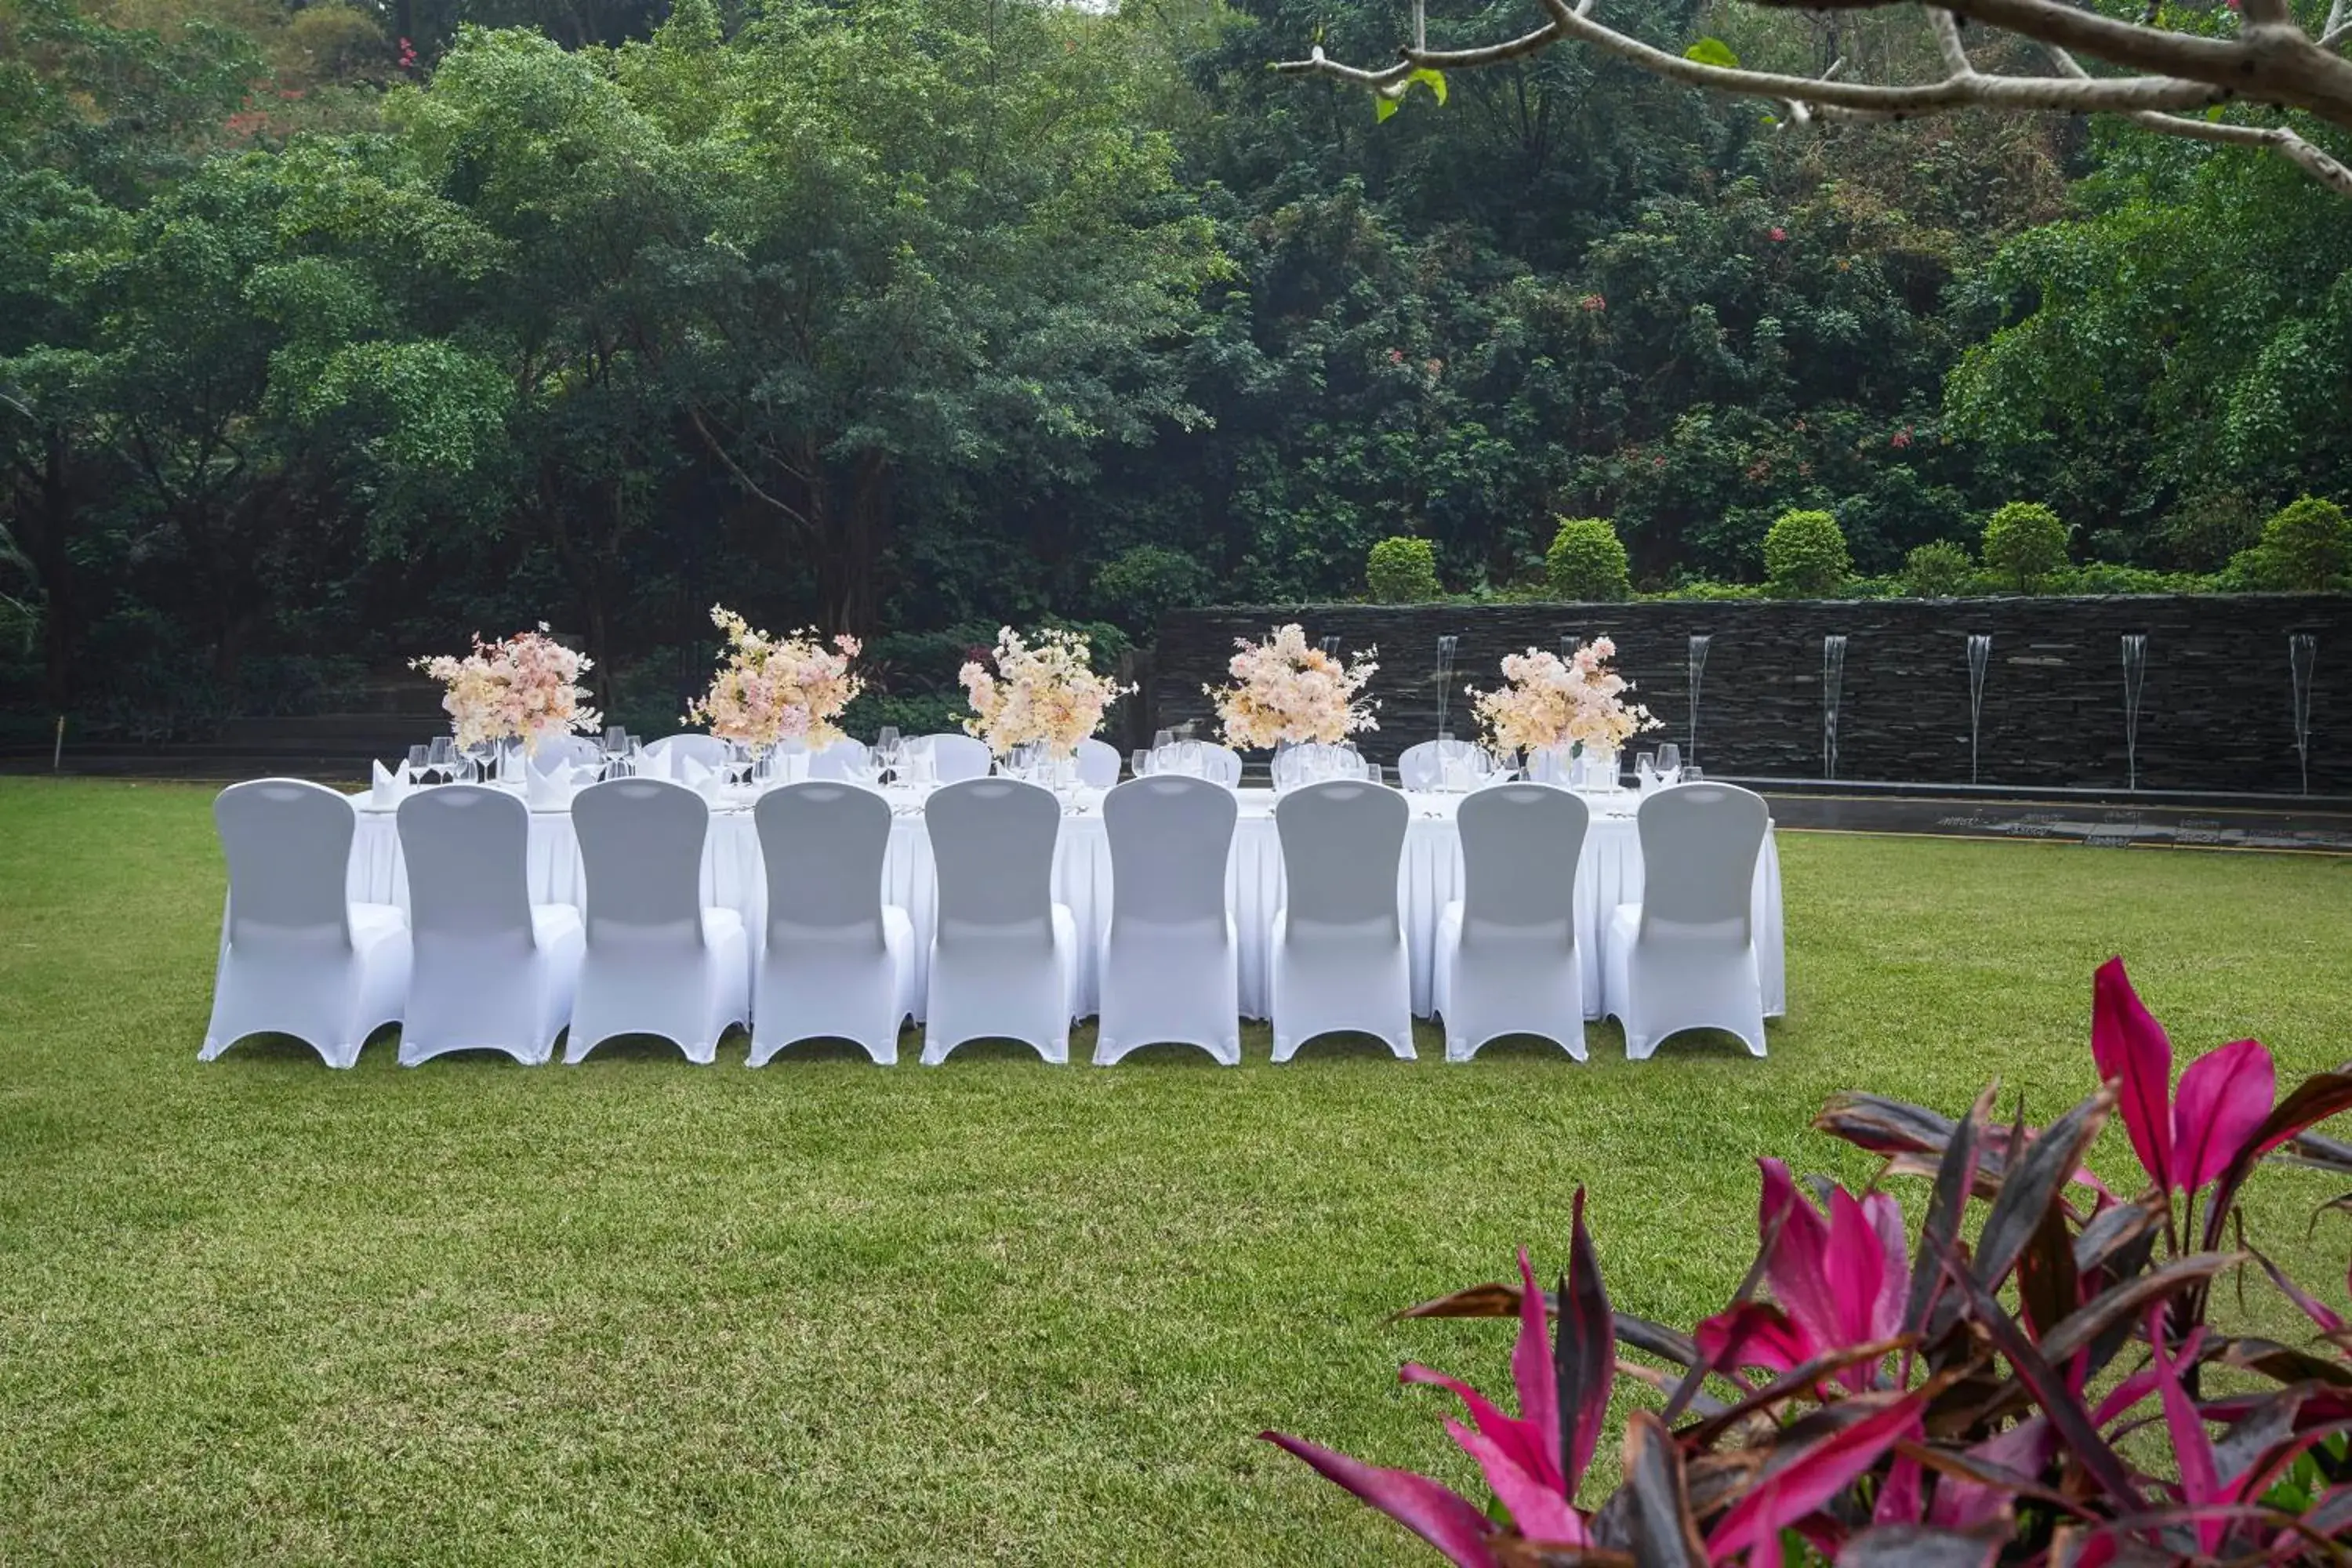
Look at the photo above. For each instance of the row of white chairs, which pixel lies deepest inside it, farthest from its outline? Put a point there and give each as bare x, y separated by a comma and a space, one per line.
474, 964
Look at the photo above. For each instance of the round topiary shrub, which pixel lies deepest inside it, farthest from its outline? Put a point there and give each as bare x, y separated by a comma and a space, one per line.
1938, 569
1587, 561
1805, 554
2306, 544
2025, 542
1402, 571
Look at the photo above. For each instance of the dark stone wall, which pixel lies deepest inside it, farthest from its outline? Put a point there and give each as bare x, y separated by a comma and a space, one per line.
2215, 705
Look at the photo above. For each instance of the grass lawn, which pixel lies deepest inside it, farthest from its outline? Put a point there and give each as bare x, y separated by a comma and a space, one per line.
638, 1311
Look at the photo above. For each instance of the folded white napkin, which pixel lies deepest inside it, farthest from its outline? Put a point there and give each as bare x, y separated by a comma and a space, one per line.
552, 790
652, 766
703, 781
386, 790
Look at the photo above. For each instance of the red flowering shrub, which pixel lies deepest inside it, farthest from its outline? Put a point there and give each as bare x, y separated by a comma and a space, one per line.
1934, 1404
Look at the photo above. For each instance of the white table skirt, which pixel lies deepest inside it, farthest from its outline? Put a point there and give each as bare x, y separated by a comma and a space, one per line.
1609, 874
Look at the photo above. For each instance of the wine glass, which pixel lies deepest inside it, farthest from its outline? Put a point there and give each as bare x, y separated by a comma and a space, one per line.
1645, 770
441, 757
1670, 761
417, 757
1692, 775
889, 746
1163, 739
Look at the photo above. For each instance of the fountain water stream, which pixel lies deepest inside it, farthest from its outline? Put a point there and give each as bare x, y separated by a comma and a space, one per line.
1697, 668
2135, 673
1446, 645
2301, 654
1980, 656
1833, 683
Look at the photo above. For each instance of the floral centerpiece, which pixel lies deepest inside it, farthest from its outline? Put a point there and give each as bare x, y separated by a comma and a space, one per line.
1547, 702
1285, 692
525, 687
1046, 694
771, 690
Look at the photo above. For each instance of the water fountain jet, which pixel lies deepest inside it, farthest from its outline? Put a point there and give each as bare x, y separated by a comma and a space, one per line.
1833, 683
1980, 654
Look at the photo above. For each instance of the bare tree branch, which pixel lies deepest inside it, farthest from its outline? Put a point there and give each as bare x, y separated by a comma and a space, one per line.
2272, 60
2276, 139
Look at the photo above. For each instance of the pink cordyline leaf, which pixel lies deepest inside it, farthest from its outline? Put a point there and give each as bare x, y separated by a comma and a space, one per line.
1443, 1518
1796, 1269
2025, 1449
1531, 1370
2142, 1384
1539, 1512
2192, 1446
1753, 1333
2224, 1096
1791, 1489
1584, 1357
1899, 1499
1517, 1440
2131, 1050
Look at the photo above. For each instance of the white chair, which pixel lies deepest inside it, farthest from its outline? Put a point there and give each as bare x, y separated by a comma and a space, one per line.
839, 761
1004, 955
1169, 965
658, 963
708, 750
565, 750
493, 970
1338, 956
955, 758
1097, 764
297, 956
1506, 959
1221, 763
835, 959
1684, 957
1421, 767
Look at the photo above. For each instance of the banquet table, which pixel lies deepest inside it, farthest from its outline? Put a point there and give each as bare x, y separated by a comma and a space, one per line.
1429, 878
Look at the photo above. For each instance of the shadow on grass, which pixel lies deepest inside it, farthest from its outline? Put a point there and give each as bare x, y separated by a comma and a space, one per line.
1166, 1057
1344, 1045
822, 1048
1527, 1048
1002, 1050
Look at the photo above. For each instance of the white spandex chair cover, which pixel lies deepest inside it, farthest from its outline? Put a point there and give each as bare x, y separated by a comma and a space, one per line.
956, 758
1221, 763
1004, 955
1684, 957
708, 750
1170, 967
298, 958
565, 750
1507, 959
1336, 958
658, 963
1097, 764
834, 959
1420, 767
838, 761
493, 970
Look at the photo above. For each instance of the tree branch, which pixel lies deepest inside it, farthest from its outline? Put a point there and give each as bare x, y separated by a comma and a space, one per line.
2272, 60
2276, 139
694, 412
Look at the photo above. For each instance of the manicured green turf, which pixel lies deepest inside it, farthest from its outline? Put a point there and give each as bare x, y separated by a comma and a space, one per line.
638, 1311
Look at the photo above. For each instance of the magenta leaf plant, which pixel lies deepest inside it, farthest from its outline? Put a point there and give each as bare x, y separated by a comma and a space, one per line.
2026, 1383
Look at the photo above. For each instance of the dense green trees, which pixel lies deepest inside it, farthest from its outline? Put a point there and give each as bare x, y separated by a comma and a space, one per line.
914, 315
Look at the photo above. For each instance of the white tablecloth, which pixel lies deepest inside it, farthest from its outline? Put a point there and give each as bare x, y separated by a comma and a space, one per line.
1430, 877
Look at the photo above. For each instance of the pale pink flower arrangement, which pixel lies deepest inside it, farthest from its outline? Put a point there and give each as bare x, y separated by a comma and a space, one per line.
525, 687
1547, 702
1284, 690
1046, 693
777, 688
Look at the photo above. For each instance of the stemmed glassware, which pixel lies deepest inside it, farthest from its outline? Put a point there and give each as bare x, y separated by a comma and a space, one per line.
441, 757
417, 763
888, 750
1670, 762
